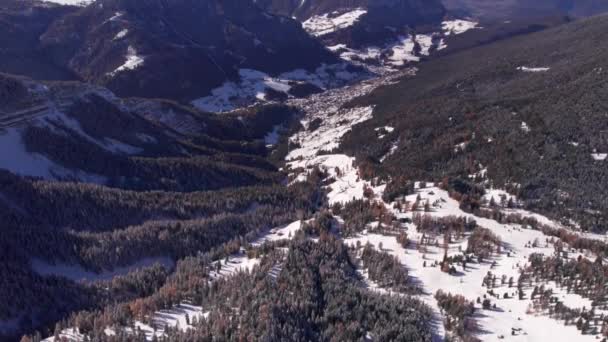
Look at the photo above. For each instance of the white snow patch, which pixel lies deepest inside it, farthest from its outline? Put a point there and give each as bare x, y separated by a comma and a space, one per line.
392, 56
512, 313
458, 26
460, 147
325, 76
599, 156
115, 17
441, 45
390, 152
253, 86
529, 69
133, 61
395, 54
17, 159
337, 47
235, 263
320, 25
80, 3
328, 136
499, 196
70, 335
272, 138
171, 318
347, 185
121, 34
280, 233
335, 121
426, 42
403, 51
382, 131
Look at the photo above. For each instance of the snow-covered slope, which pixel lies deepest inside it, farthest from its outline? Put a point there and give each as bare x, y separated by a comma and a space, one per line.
320, 25
458, 26
400, 49
369, 32
178, 49
511, 314
56, 112
512, 318
258, 87
183, 316
81, 3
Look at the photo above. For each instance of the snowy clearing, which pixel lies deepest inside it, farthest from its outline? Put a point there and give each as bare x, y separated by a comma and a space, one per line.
234, 264
272, 137
286, 232
383, 131
529, 69
320, 25
458, 26
512, 313
121, 34
132, 62
17, 159
253, 86
327, 137
393, 55
80, 3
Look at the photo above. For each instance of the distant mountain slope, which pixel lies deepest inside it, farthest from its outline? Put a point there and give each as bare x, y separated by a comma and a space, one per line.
73, 131
93, 186
513, 9
528, 113
361, 21
178, 49
410, 11
21, 24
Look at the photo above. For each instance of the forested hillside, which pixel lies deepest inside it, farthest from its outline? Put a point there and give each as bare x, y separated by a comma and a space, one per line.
511, 9
93, 187
509, 113
171, 49
318, 170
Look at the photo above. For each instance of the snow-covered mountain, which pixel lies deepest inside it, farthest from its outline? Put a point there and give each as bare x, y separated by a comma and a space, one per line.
409, 12
371, 33
360, 22
177, 49
70, 131
316, 170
